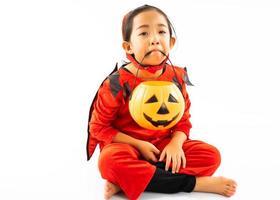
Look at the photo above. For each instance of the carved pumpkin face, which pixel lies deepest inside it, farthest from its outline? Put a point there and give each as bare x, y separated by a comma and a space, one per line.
156, 105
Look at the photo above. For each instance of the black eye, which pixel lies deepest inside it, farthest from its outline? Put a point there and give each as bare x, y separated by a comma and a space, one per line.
143, 34
153, 99
172, 99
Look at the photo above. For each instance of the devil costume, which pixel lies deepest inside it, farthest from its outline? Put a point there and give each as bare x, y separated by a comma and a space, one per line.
121, 163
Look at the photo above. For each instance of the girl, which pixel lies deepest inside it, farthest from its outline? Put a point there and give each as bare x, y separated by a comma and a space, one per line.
134, 159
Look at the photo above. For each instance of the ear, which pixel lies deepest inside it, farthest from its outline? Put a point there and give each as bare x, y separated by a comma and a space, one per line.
127, 47
172, 42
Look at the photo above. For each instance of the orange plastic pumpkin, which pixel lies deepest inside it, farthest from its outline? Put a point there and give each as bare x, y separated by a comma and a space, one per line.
156, 105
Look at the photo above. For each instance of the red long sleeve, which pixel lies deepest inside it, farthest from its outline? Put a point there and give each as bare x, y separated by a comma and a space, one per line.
104, 113
184, 125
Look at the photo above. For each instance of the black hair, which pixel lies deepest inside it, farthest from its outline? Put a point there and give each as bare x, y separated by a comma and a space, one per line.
127, 22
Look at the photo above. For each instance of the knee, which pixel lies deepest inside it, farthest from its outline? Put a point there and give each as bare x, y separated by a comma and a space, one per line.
214, 156
112, 154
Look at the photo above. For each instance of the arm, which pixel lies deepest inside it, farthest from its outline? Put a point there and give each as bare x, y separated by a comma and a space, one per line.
179, 138
147, 149
105, 112
184, 125
106, 107
173, 152
124, 138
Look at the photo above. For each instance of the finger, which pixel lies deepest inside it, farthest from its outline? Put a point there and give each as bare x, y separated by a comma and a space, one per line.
178, 164
174, 164
156, 151
184, 161
153, 157
162, 155
168, 159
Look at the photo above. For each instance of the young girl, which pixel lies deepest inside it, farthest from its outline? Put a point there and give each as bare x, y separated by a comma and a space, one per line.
134, 159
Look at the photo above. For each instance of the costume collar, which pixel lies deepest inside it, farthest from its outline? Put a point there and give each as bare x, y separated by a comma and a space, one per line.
150, 68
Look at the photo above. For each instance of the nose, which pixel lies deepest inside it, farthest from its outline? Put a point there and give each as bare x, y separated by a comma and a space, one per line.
163, 109
154, 40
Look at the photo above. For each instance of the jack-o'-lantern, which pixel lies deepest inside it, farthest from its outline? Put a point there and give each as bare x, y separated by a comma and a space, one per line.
156, 105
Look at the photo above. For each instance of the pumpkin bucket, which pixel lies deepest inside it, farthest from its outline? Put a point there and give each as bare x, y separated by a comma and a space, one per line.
156, 105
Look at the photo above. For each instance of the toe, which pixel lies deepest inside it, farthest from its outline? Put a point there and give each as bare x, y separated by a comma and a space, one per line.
229, 192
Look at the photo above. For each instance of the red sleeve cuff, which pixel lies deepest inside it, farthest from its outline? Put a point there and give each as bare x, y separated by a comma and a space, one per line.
105, 135
182, 128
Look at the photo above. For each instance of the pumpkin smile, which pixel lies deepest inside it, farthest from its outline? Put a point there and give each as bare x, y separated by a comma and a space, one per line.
158, 123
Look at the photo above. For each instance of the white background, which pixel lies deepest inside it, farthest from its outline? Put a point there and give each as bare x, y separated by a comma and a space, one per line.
54, 54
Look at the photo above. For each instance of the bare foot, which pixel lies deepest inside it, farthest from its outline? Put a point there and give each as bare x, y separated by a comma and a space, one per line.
110, 189
219, 185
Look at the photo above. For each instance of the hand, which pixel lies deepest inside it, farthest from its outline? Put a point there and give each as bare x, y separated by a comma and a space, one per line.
175, 154
148, 150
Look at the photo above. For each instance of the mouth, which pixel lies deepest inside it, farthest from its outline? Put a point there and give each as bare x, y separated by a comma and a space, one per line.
154, 50
158, 123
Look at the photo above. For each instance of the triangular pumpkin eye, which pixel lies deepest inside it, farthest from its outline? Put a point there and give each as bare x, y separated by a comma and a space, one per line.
172, 99
153, 99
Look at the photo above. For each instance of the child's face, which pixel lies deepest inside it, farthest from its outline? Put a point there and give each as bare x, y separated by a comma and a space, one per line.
150, 33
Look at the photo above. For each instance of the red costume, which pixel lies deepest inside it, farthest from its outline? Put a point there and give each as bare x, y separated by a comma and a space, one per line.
122, 164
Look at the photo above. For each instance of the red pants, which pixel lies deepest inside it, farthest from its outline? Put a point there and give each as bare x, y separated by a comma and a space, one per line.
122, 165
